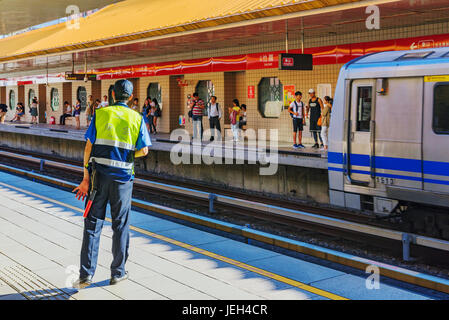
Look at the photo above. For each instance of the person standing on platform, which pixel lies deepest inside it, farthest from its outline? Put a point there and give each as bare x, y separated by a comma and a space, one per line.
197, 107
243, 118
135, 105
77, 113
325, 122
105, 102
296, 110
116, 136
234, 117
90, 110
151, 113
145, 110
314, 108
3, 111
157, 114
214, 115
33, 111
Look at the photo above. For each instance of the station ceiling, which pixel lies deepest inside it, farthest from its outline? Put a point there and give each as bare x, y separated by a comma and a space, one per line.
20, 14
393, 14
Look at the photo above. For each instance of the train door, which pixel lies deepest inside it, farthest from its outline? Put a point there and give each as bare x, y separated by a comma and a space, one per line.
360, 135
436, 138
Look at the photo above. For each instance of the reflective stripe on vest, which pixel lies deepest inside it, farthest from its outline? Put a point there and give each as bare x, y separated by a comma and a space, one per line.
113, 143
113, 163
117, 130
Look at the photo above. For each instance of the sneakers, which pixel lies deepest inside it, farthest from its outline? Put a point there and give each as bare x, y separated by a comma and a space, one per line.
295, 146
82, 283
301, 146
115, 280
315, 146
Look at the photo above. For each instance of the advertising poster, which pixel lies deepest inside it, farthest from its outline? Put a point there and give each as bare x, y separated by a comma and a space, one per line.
289, 95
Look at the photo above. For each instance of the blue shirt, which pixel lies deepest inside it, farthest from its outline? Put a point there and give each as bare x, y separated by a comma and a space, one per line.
143, 140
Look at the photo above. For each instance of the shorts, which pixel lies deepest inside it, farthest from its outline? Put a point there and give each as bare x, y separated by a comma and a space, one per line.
77, 115
297, 124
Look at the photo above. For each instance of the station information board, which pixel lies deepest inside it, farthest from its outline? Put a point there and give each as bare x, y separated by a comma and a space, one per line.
80, 76
295, 61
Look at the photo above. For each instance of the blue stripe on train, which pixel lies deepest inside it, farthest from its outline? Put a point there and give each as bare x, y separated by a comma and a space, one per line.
394, 176
389, 163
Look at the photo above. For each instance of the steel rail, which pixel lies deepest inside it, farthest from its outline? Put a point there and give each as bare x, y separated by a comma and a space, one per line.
406, 238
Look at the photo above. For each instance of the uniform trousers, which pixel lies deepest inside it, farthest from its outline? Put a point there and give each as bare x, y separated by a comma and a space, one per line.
118, 195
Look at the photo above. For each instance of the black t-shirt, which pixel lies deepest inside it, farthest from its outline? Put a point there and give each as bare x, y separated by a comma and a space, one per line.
3, 107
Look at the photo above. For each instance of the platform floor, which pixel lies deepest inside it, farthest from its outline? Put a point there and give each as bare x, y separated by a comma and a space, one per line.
40, 240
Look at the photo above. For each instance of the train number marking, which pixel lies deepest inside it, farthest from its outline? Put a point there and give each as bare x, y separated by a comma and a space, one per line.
383, 180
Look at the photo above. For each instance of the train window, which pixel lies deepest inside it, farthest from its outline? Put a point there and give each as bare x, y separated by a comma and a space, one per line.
415, 55
81, 95
440, 123
364, 104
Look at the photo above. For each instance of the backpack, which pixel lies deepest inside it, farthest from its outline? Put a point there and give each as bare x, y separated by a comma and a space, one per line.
302, 107
233, 117
158, 112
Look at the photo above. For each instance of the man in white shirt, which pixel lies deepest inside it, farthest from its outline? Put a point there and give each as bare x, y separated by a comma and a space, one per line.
214, 115
296, 110
105, 102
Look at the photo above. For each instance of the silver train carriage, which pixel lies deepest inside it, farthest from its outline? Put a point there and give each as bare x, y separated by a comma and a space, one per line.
389, 138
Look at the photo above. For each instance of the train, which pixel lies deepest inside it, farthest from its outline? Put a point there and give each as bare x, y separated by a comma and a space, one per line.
389, 138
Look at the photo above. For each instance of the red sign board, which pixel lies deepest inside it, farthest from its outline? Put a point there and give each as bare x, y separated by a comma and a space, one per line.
251, 92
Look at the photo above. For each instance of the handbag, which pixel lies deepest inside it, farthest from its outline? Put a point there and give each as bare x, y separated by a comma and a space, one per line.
319, 122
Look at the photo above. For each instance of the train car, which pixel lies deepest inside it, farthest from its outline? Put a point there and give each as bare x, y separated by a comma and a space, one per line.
389, 138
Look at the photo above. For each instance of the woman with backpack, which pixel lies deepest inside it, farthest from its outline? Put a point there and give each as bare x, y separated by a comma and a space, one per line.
234, 117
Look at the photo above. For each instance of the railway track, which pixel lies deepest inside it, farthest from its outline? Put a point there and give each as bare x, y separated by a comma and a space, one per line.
257, 210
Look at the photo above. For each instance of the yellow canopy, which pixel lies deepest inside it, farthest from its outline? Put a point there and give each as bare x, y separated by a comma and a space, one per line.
139, 19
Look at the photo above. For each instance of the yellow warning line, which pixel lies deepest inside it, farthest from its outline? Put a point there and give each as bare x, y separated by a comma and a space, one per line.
233, 262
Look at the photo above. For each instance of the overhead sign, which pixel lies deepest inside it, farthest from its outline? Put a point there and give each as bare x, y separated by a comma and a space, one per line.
295, 61
80, 76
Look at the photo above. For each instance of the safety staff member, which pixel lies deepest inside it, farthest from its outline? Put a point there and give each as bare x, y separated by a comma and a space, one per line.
116, 136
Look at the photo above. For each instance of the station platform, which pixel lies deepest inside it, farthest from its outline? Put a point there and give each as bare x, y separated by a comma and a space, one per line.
40, 239
287, 155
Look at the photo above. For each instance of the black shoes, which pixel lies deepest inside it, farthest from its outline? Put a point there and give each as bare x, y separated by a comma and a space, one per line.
83, 282
315, 146
211, 139
115, 280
